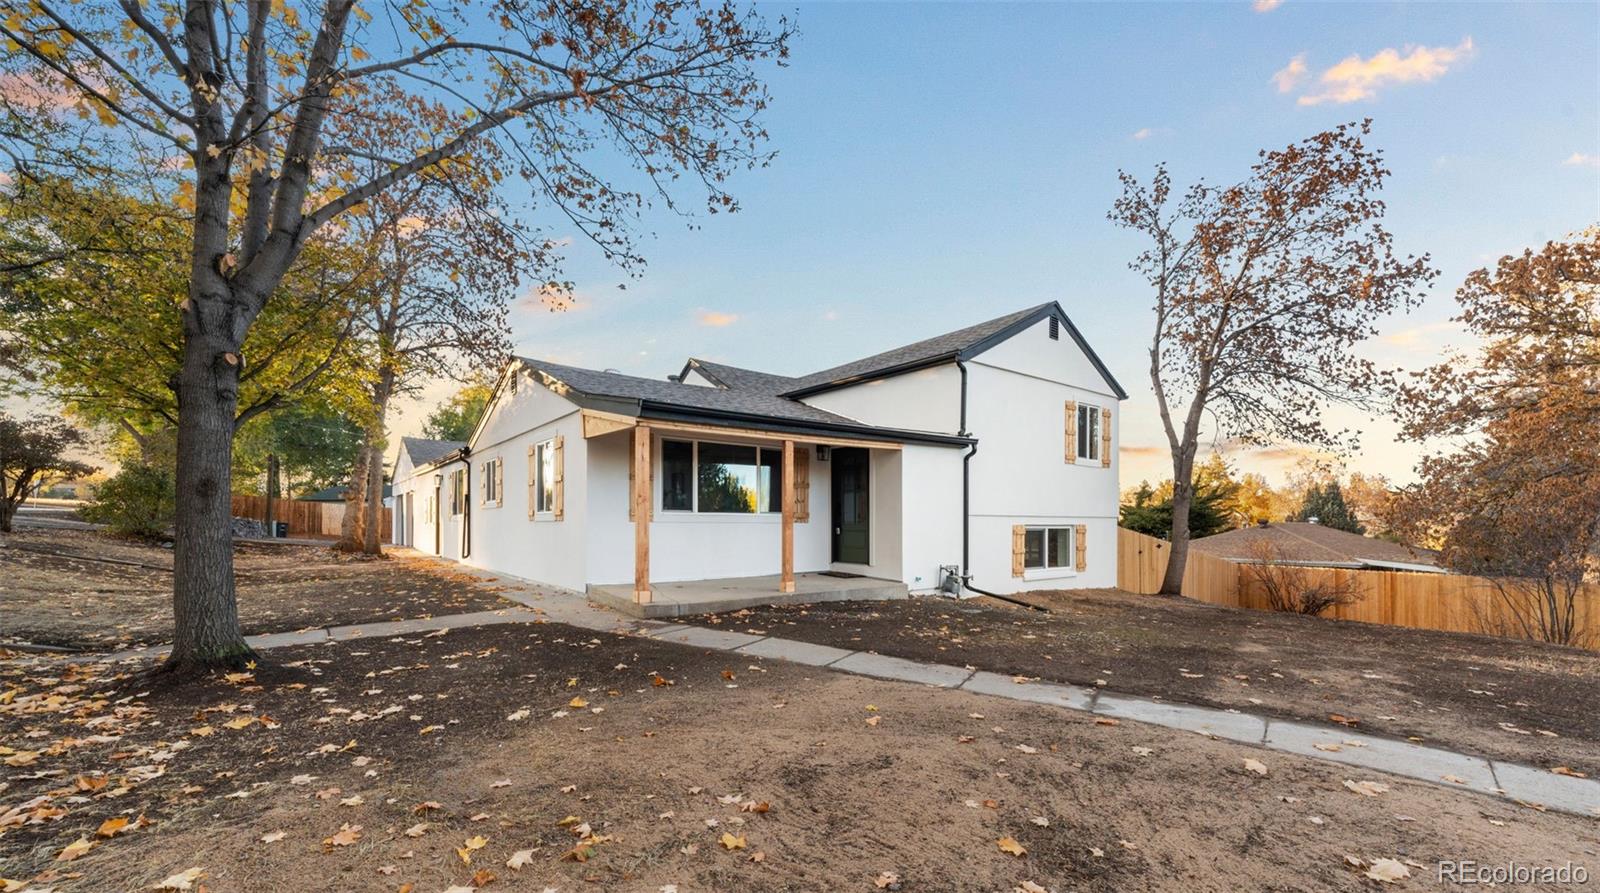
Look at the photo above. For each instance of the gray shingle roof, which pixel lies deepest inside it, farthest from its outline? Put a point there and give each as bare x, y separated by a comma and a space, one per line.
1304, 542
659, 398
929, 349
743, 379
424, 451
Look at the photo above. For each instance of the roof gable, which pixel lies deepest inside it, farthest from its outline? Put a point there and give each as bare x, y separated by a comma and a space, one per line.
961, 344
422, 451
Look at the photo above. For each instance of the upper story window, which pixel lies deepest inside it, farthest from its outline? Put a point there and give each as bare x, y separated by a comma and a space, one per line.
720, 478
1088, 432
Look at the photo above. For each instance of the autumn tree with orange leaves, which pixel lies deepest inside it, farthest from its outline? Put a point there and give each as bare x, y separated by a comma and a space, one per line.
1261, 291
277, 119
1518, 500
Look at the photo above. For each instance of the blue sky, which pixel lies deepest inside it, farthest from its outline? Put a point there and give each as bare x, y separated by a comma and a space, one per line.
941, 164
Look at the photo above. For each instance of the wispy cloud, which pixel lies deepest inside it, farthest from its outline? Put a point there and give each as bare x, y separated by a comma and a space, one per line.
1355, 78
1143, 133
1266, 5
1580, 159
1426, 337
830, 315
716, 318
1142, 452
1290, 76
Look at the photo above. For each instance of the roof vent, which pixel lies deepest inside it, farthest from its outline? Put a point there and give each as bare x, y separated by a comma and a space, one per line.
1055, 329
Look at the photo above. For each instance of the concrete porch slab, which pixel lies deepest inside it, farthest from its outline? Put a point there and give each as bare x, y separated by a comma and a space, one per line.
692, 597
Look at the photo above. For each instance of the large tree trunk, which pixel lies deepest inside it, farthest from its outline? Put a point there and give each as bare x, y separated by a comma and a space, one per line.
373, 544
355, 503
1182, 499
205, 607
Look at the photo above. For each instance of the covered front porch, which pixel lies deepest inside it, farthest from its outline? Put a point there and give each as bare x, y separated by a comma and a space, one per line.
690, 597
721, 517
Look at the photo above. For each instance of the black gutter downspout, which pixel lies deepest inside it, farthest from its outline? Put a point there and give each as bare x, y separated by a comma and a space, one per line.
966, 477
966, 505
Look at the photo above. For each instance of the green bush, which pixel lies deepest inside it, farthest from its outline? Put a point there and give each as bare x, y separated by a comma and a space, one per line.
138, 501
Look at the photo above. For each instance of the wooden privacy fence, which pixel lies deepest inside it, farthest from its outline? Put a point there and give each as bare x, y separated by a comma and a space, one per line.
1447, 602
308, 519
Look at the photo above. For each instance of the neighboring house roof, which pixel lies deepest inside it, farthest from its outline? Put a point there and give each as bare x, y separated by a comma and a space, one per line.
675, 401
336, 493
423, 451
1301, 542
962, 344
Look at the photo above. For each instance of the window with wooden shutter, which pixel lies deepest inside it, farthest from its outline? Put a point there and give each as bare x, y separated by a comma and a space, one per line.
1079, 534
802, 485
1072, 432
560, 468
1105, 437
499, 481
533, 468
1019, 539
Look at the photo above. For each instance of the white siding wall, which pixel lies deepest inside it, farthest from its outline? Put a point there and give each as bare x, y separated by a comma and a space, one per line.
504, 539
1016, 399
421, 486
930, 513
924, 400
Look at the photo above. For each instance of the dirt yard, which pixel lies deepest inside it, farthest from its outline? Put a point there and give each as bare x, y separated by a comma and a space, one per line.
536, 756
89, 590
1501, 698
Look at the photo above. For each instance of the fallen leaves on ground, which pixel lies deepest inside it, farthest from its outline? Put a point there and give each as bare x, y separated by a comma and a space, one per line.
346, 835
1256, 766
1367, 788
1009, 845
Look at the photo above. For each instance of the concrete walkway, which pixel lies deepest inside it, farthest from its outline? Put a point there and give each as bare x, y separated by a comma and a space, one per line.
1457, 771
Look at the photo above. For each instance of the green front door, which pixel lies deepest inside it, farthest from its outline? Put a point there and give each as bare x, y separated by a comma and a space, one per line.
851, 529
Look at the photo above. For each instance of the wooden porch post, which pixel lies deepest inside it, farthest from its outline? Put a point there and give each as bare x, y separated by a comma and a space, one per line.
788, 517
641, 514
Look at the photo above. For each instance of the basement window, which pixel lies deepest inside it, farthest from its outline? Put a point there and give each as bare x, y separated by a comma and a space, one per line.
1047, 548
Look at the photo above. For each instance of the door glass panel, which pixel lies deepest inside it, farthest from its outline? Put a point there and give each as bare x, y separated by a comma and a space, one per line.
677, 469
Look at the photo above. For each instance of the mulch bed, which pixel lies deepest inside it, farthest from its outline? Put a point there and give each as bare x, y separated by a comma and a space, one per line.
600, 762
89, 590
1511, 699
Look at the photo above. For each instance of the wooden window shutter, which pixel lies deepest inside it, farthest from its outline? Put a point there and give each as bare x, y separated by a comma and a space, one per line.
802, 484
559, 462
1072, 431
1105, 437
484, 470
532, 468
499, 481
1079, 533
1019, 546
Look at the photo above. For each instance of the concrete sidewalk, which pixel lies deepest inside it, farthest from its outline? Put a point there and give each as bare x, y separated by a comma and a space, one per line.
1457, 771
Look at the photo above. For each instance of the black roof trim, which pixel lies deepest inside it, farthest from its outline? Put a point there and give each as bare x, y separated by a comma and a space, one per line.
1043, 311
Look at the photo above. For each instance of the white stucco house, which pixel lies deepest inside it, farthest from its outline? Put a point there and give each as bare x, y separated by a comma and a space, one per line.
981, 460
